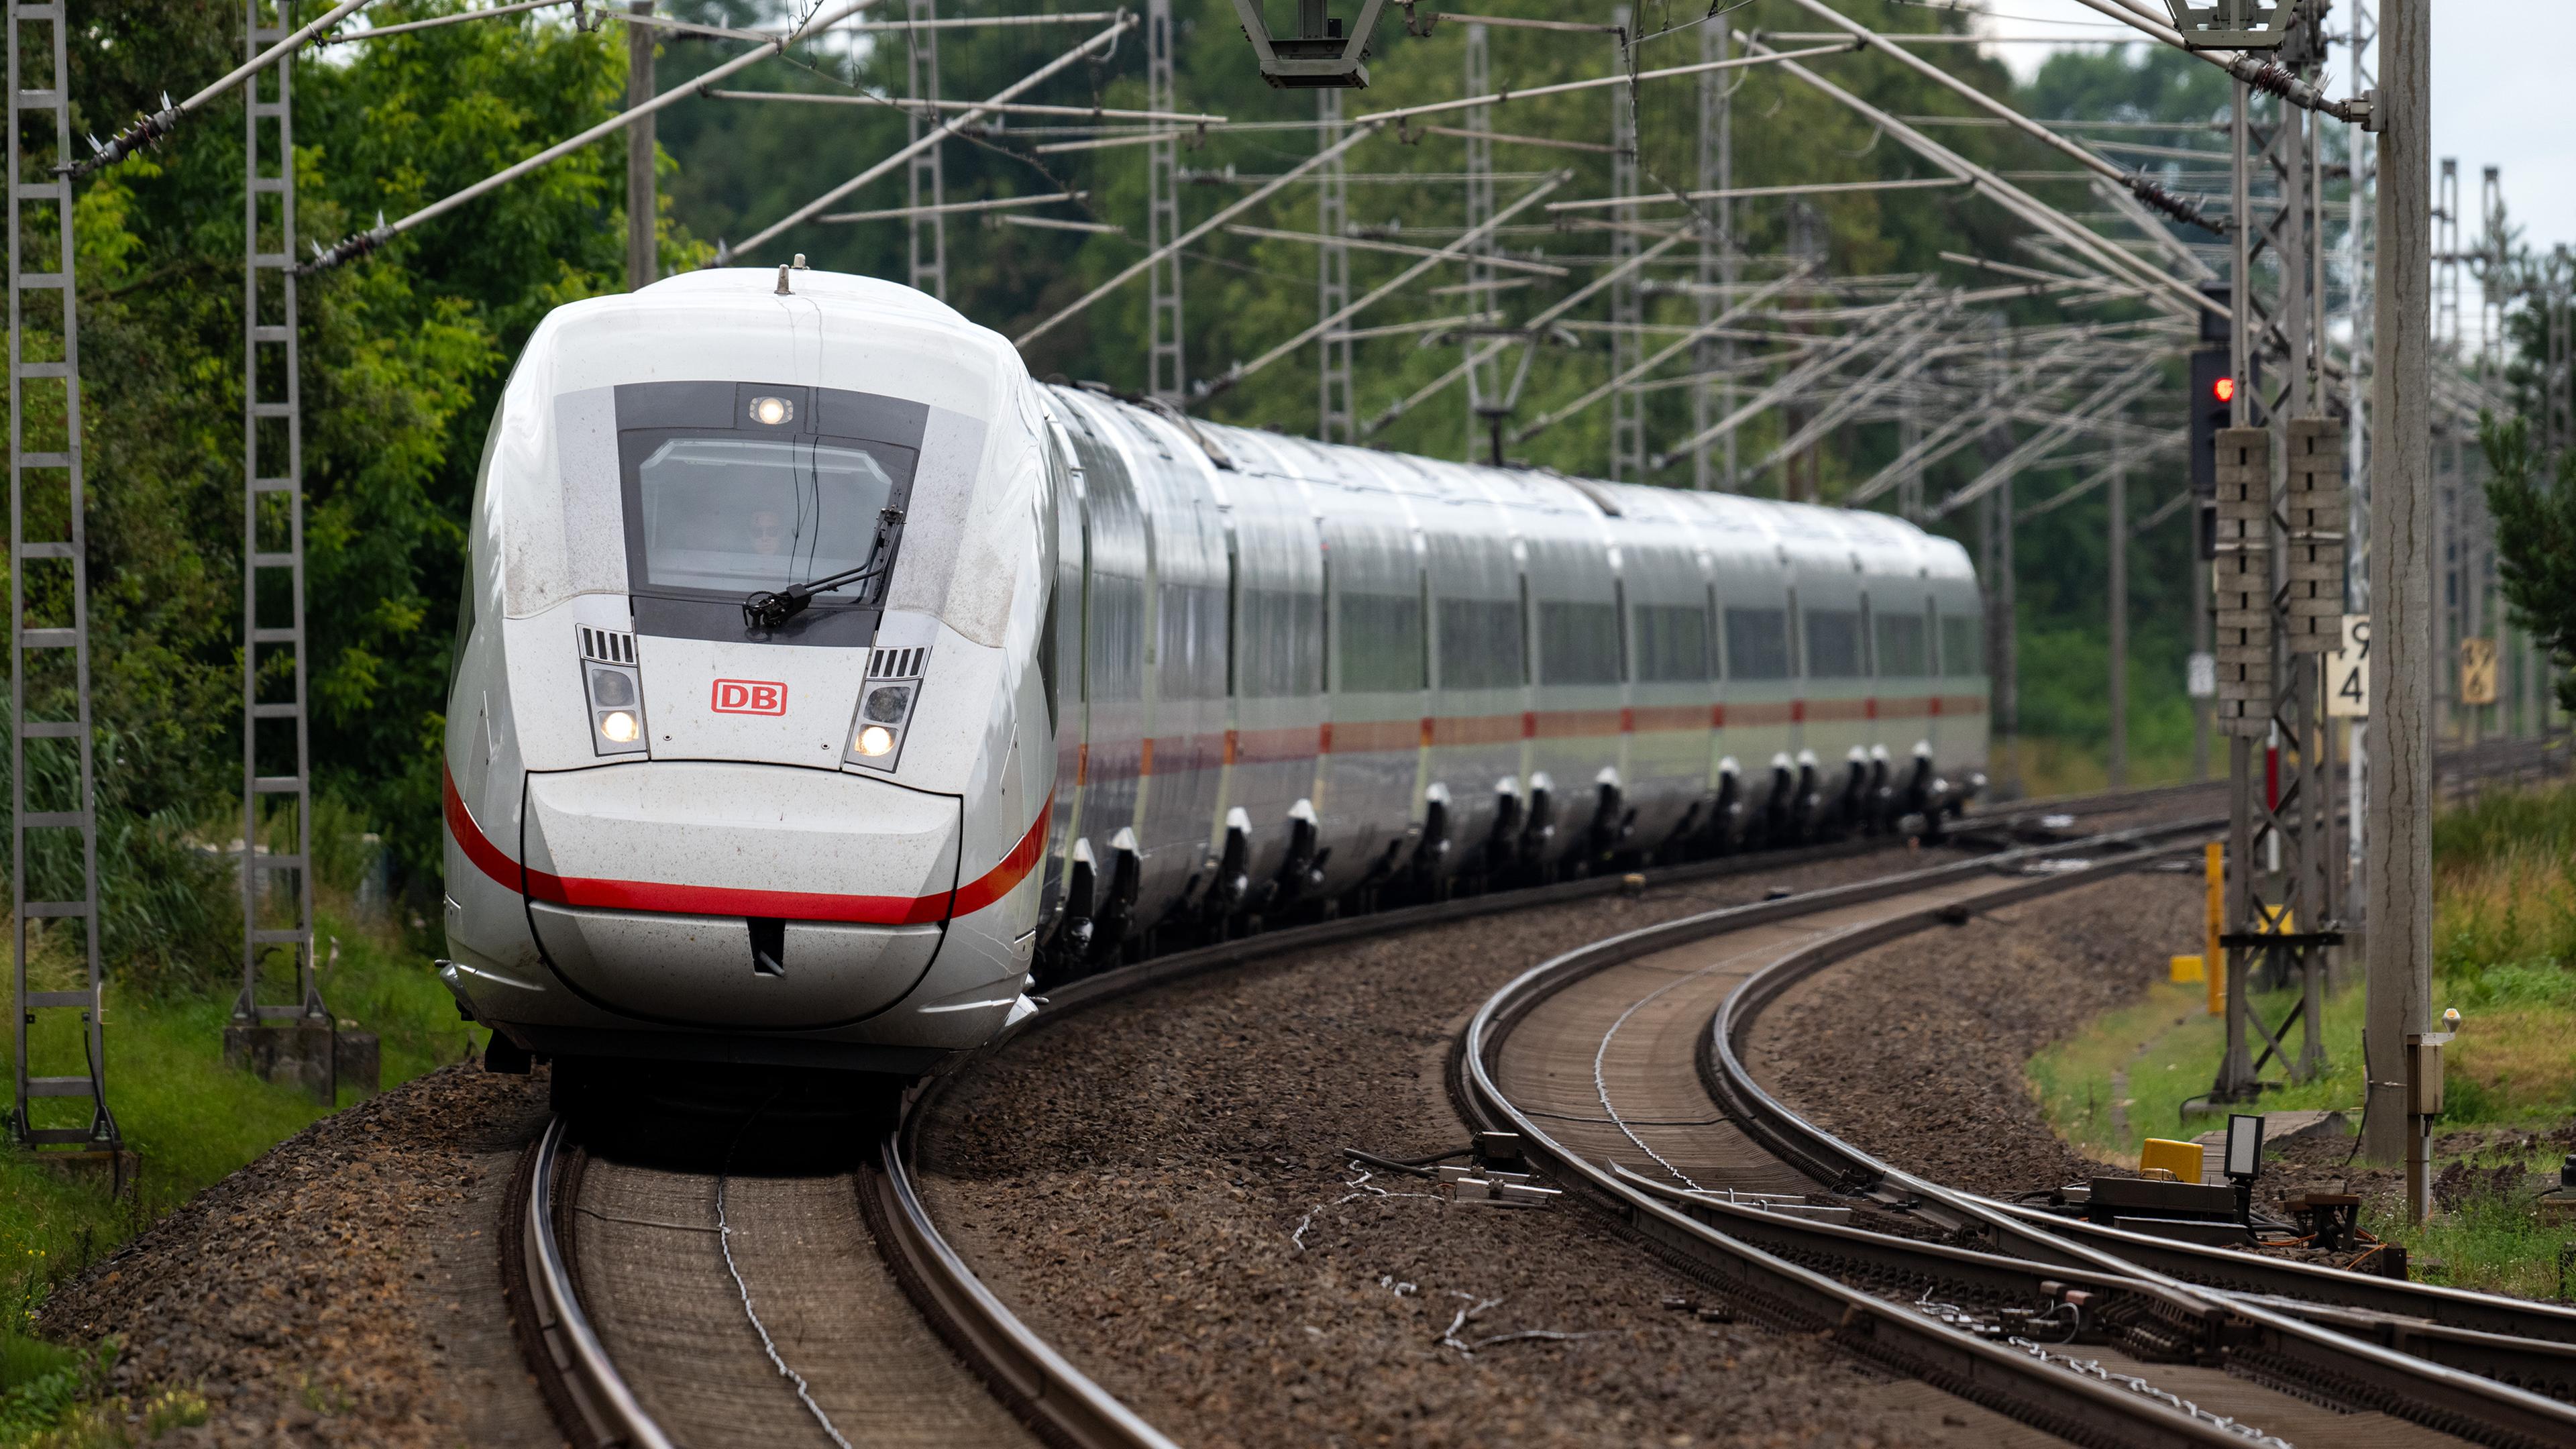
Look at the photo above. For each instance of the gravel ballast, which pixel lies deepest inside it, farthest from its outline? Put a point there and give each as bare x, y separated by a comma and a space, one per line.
1156, 1185
1950, 1015
343, 1289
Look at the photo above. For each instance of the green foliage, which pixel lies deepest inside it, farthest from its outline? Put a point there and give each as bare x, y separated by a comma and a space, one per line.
403, 356
193, 1118
43, 1387
2504, 821
2535, 539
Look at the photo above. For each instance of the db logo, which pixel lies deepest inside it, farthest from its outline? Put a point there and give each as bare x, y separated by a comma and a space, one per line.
749, 696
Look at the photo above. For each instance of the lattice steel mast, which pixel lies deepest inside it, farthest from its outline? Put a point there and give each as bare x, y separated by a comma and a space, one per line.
53, 840
2282, 519
925, 185
1484, 369
1713, 397
1332, 273
273, 647
1167, 367
1627, 297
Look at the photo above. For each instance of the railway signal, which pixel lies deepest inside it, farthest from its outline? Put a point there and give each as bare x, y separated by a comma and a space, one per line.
2213, 393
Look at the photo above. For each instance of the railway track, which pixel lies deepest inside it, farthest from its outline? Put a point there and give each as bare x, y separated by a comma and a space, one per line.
643, 1333
1615, 1063
632, 1283
806, 1301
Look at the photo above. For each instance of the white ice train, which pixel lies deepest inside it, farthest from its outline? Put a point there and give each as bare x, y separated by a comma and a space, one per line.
1096, 673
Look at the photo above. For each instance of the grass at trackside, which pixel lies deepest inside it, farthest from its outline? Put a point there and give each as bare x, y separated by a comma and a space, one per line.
2504, 955
193, 1121
2050, 768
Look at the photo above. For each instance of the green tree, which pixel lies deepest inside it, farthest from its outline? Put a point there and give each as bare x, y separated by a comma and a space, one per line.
404, 354
2535, 538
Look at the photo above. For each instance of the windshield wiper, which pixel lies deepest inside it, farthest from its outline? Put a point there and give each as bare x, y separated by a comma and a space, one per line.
766, 610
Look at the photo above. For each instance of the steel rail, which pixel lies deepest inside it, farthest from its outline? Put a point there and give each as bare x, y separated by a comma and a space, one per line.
1046, 1390
1998, 1376
2447, 1376
573, 1371
2431, 1335
1023, 1370
2272, 1345
592, 1400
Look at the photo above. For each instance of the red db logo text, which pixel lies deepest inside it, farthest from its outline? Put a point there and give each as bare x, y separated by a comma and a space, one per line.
749, 696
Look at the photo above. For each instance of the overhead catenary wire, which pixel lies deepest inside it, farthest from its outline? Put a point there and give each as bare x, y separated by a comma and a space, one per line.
978, 22
2118, 392
1788, 383
2129, 458
1691, 336
367, 241
1897, 367
1964, 424
952, 208
1428, 324
1365, 244
998, 108
1360, 131
2267, 76
1744, 193
1504, 97
2030, 209
160, 123
1454, 251
932, 136
379, 32
1533, 328
2144, 188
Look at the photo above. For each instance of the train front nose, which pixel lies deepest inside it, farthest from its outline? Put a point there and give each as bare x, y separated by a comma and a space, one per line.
738, 895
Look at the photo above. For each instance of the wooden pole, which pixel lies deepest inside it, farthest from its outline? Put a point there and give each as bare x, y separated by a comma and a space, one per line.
2400, 809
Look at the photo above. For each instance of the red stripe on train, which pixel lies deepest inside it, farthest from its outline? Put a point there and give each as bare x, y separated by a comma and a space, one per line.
690, 900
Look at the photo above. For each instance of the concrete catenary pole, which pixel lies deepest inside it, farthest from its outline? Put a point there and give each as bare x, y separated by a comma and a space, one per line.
2118, 534
642, 256
2400, 811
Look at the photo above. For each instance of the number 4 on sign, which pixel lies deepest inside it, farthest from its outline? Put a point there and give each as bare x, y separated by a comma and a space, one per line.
2348, 671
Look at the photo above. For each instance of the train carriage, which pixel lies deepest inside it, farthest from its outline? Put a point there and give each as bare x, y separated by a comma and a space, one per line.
822, 679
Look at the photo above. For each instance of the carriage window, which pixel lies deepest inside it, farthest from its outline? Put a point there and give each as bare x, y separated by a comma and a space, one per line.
1480, 644
733, 514
1578, 643
1282, 651
1757, 643
1900, 647
1672, 643
1381, 643
1962, 649
1833, 644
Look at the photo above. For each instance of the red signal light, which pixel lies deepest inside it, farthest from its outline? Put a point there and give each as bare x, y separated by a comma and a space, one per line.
2224, 389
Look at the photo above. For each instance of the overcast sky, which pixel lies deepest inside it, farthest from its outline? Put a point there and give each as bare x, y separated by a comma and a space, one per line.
2500, 71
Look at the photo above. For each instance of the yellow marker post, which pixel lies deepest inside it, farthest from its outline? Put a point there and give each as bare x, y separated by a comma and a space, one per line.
2182, 1159
2214, 960
2184, 969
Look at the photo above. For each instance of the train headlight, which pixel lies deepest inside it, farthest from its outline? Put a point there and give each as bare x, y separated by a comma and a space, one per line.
876, 735
771, 411
611, 689
613, 682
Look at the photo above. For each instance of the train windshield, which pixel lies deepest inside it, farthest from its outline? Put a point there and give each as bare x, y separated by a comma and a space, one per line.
735, 514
